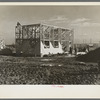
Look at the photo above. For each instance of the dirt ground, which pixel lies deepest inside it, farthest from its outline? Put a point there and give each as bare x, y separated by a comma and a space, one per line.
47, 70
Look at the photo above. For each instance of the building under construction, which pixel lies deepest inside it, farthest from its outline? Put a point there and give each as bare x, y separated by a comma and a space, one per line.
41, 39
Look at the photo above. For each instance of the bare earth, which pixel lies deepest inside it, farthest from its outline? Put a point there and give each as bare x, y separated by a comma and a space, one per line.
47, 70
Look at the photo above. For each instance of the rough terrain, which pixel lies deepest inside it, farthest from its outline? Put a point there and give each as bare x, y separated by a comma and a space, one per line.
47, 70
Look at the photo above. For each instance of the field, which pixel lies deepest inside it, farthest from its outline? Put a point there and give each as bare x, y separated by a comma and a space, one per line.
47, 70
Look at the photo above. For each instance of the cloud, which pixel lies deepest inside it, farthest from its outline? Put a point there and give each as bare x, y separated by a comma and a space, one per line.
80, 20
64, 21
57, 19
84, 22
92, 24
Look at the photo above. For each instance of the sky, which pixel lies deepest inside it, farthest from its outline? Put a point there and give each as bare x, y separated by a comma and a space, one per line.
85, 20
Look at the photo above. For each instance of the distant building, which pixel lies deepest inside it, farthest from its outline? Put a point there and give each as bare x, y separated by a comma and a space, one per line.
41, 39
89, 46
2, 44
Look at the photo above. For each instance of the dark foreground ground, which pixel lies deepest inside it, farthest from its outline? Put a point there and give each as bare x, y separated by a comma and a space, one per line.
52, 70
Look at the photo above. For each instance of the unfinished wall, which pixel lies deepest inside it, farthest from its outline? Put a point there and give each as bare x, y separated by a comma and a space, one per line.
28, 40
55, 40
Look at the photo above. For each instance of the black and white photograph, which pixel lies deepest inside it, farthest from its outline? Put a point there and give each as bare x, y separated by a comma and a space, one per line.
49, 44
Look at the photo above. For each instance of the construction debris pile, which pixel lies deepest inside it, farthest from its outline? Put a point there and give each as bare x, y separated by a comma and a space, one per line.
92, 56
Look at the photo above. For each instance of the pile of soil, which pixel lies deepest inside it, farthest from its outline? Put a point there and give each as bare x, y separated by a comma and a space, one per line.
92, 56
6, 51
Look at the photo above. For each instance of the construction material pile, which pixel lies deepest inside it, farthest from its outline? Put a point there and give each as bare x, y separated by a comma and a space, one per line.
92, 56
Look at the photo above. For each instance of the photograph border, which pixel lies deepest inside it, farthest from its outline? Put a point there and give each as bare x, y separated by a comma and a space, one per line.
57, 91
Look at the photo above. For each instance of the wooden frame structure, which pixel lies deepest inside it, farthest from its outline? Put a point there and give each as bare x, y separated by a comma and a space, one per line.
41, 39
